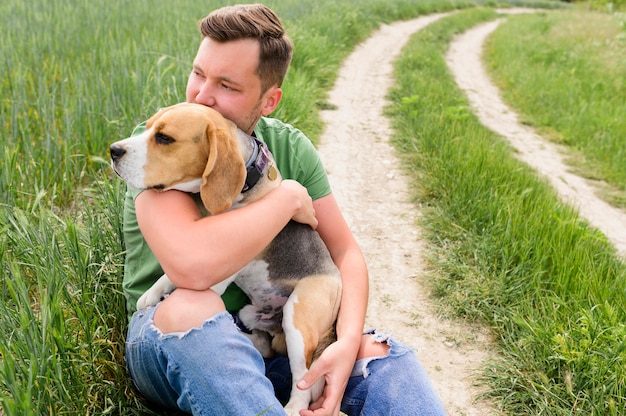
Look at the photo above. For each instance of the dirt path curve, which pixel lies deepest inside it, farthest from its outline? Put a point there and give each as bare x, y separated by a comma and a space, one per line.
373, 194
465, 61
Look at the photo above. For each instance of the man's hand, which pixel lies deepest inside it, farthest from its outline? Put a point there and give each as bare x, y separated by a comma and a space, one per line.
305, 213
335, 365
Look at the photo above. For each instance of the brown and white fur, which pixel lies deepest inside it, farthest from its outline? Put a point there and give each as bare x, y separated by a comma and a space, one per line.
293, 285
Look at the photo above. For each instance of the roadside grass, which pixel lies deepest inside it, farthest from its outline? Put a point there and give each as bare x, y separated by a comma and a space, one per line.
504, 249
565, 73
75, 77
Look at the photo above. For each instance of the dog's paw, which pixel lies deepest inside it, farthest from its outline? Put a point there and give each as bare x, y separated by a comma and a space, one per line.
299, 400
149, 298
157, 292
293, 409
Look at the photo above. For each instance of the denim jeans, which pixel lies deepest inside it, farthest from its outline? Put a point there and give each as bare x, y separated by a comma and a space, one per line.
215, 370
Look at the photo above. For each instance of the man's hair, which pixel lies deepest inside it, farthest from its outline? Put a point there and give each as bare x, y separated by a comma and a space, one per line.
253, 21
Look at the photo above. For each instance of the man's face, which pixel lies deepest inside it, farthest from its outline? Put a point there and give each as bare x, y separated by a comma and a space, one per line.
224, 78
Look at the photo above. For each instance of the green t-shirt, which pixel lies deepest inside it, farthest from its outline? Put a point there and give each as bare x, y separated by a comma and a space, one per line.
296, 158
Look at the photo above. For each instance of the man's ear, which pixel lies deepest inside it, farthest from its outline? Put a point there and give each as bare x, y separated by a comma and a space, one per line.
272, 98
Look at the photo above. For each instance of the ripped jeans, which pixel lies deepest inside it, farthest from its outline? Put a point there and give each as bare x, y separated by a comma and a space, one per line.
215, 370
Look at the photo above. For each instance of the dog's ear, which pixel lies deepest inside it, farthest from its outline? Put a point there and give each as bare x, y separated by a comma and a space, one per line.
225, 172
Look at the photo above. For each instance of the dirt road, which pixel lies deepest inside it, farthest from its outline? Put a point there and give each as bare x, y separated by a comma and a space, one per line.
373, 194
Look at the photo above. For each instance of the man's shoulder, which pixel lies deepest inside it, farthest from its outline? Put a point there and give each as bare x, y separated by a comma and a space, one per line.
276, 127
278, 134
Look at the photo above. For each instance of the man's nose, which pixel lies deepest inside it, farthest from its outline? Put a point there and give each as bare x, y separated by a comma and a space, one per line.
206, 96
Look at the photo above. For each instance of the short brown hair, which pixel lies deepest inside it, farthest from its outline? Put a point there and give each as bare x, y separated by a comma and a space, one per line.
253, 21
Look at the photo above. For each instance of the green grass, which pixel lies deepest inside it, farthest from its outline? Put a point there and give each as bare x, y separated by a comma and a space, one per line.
506, 250
76, 77
61, 308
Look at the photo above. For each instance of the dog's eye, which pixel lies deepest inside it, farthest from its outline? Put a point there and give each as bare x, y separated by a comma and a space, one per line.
161, 138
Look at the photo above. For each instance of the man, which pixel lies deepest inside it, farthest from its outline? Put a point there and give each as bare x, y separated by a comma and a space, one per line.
186, 353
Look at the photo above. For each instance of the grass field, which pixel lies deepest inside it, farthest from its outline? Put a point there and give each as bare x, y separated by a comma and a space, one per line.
77, 76
571, 85
511, 254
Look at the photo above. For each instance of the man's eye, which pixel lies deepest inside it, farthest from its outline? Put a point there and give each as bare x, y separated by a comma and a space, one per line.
161, 138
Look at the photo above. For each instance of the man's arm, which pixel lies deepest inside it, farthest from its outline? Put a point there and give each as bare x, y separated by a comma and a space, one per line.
348, 257
197, 252
336, 362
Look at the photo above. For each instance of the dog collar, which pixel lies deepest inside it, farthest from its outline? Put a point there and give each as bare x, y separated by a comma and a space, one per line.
256, 164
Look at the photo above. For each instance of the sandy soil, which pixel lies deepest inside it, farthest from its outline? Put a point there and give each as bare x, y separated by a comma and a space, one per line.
373, 193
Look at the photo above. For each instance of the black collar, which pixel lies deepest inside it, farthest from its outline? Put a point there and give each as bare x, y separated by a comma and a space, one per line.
256, 164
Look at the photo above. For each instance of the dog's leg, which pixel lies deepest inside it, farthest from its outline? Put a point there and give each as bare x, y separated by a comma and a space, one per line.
308, 315
164, 286
262, 342
156, 293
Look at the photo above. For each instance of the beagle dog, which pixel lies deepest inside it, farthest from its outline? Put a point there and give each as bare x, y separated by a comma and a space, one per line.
293, 285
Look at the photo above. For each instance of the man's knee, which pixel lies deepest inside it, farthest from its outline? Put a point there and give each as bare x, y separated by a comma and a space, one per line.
185, 309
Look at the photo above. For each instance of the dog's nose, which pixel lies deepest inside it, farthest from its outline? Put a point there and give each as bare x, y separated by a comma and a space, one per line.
116, 152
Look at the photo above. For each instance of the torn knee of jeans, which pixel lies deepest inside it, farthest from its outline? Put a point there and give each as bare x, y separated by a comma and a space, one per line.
372, 347
360, 366
177, 334
381, 338
163, 336
394, 349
